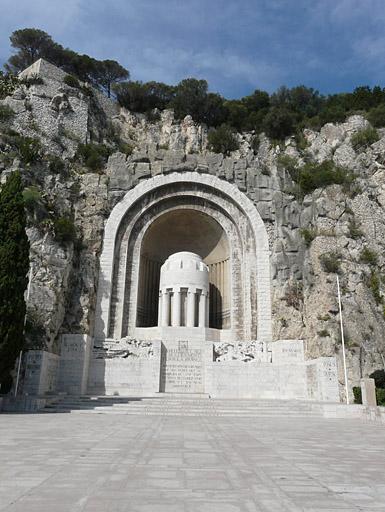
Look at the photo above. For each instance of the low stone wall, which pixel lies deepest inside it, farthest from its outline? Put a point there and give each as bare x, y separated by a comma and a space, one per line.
354, 412
41, 372
125, 367
237, 379
131, 367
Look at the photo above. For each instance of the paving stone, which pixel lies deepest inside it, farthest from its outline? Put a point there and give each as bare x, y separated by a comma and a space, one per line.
108, 463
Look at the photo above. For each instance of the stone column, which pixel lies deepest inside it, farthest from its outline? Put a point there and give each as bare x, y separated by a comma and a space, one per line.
160, 309
190, 309
176, 309
202, 310
166, 308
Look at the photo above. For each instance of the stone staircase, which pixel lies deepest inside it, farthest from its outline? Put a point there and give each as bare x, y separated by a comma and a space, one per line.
184, 405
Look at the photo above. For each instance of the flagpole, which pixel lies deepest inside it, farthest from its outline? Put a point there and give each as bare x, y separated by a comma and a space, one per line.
343, 342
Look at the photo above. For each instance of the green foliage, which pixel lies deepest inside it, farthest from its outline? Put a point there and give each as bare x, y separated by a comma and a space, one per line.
379, 378
32, 44
374, 284
368, 256
279, 122
93, 156
56, 164
313, 176
222, 140
125, 148
8, 84
32, 197
14, 265
189, 98
354, 230
153, 115
144, 97
72, 81
376, 116
290, 164
30, 80
255, 143
64, 229
380, 396
330, 262
308, 235
110, 72
27, 149
323, 318
324, 333
357, 394
364, 138
283, 113
301, 141
6, 113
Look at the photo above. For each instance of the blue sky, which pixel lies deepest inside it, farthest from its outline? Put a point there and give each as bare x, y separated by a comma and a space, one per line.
238, 45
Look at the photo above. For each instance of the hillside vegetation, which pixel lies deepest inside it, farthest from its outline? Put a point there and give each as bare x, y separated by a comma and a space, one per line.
283, 113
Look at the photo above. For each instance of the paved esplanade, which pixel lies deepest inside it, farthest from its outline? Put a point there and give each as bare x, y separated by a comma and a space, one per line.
104, 462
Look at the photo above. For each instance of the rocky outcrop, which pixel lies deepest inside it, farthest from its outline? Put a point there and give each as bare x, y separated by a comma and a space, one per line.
334, 221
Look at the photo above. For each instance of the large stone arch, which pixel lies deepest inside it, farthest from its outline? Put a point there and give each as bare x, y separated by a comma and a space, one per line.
131, 217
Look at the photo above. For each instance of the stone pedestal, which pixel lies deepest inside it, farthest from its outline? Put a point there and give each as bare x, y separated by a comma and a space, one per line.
74, 363
368, 391
41, 372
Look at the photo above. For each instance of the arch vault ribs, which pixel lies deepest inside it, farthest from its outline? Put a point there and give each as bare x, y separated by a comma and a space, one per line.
118, 303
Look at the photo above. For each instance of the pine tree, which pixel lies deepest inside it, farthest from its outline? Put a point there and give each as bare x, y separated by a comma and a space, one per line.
14, 265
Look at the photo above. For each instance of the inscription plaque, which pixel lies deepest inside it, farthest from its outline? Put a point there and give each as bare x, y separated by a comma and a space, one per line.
182, 368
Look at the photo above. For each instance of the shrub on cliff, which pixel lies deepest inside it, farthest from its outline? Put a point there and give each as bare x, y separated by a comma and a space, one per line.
312, 176
72, 81
64, 229
6, 113
364, 138
376, 116
222, 140
8, 83
368, 256
93, 156
27, 149
14, 265
330, 262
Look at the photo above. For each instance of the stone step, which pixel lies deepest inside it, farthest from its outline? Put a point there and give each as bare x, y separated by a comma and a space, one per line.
185, 406
185, 413
234, 408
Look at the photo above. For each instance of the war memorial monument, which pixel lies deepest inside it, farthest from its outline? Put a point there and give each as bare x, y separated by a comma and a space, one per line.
184, 349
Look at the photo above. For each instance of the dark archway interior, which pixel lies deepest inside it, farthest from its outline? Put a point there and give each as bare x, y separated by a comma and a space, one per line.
184, 230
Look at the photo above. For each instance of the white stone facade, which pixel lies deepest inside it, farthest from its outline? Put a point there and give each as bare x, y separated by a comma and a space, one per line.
181, 351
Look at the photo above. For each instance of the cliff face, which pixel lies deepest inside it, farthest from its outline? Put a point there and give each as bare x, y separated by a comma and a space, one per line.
345, 223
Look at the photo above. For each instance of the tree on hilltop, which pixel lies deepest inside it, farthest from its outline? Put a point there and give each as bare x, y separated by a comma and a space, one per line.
14, 265
110, 72
32, 44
